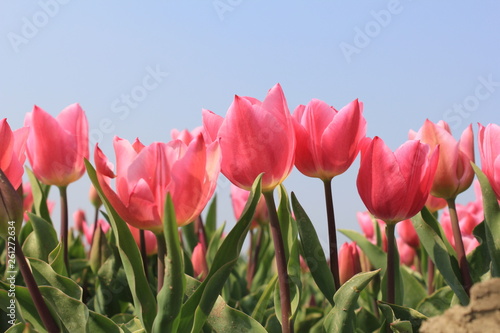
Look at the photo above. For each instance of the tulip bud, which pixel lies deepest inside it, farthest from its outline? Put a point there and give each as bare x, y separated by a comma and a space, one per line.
408, 234
406, 252
199, 261
349, 264
11, 208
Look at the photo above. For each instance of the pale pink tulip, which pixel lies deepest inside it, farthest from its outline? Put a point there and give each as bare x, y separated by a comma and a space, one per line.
349, 263
239, 198
454, 172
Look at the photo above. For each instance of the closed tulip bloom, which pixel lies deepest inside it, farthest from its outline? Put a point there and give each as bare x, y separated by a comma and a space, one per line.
199, 261
12, 152
489, 150
239, 198
395, 186
145, 174
408, 233
349, 264
57, 147
149, 237
454, 172
406, 252
327, 139
366, 223
255, 137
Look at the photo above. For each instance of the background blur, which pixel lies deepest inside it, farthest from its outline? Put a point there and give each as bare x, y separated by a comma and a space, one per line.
140, 69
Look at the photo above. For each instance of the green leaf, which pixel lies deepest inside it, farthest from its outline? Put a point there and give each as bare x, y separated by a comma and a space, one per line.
171, 296
262, 303
211, 219
214, 244
144, 300
437, 303
42, 241
45, 275
395, 314
100, 250
313, 252
438, 252
21, 328
197, 308
415, 291
25, 309
492, 221
40, 195
377, 257
98, 323
479, 259
56, 260
341, 317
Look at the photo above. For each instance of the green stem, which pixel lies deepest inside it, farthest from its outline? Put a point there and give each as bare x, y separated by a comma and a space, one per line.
64, 225
254, 255
162, 251
41, 307
332, 233
391, 263
283, 279
459, 246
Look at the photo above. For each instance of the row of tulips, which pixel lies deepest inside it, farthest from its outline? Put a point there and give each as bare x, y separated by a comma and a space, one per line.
156, 192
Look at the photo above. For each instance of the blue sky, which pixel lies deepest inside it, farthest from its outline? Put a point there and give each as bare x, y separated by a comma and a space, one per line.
140, 69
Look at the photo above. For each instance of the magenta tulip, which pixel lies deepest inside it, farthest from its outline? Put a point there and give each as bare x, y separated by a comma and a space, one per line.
57, 147
145, 174
395, 186
454, 172
327, 139
489, 150
255, 137
406, 252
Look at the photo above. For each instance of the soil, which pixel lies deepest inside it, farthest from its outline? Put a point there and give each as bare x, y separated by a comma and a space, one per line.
482, 315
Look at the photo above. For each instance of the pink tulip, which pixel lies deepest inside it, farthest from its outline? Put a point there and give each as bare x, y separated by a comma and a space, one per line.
395, 186
489, 150
145, 174
365, 220
149, 237
88, 230
327, 139
239, 198
408, 234
185, 135
434, 204
12, 152
199, 261
406, 252
94, 197
255, 137
454, 172
57, 146
349, 263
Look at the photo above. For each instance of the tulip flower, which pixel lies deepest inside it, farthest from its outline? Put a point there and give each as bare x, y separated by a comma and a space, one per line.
56, 147
394, 187
454, 172
185, 135
454, 175
255, 137
489, 151
367, 224
151, 245
349, 262
408, 233
239, 198
12, 152
145, 174
406, 252
328, 141
434, 204
199, 261
258, 137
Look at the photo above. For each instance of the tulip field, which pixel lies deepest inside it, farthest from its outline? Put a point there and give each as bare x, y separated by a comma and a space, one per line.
156, 258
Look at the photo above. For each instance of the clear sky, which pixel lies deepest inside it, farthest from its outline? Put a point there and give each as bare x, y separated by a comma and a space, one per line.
139, 69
